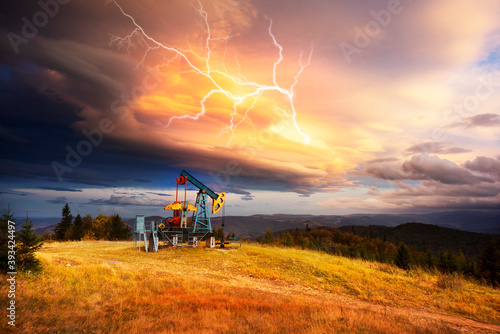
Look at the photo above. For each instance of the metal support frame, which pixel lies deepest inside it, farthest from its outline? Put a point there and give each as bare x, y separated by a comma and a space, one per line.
201, 217
149, 235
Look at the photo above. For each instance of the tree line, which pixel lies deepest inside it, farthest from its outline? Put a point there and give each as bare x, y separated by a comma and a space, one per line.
332, 241
220, 235
87, 228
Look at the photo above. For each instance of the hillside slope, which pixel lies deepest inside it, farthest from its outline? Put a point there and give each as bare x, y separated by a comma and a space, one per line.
110, 287
426, 237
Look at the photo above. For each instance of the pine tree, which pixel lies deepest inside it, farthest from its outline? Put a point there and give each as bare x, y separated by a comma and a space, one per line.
64, 225
77, 231
268, 237
28, 244
448, 262
430, 260
403, 258
116, 229
88, 227
4, 238
489, 263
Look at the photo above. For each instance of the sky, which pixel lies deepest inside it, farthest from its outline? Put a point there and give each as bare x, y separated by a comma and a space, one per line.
300, 107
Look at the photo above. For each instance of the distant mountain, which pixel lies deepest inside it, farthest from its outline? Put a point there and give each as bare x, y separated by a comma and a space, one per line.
473, 221
256, 225
45, 229
39, 222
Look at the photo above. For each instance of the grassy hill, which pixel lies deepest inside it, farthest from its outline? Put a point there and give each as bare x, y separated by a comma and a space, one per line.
108, 287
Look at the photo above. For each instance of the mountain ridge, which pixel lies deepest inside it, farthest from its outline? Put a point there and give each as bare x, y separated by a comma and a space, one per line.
256, 225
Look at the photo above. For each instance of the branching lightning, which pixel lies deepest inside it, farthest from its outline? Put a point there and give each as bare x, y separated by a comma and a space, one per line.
253, 91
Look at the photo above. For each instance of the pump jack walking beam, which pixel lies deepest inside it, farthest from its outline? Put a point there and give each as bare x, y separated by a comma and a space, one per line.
218, 199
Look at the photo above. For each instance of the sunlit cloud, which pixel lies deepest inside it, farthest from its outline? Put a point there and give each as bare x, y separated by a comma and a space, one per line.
410, 119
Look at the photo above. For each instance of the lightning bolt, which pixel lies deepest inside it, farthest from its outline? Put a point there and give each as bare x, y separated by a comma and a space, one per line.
252, 90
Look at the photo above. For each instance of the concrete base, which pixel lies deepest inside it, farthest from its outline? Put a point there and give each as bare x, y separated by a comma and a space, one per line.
175, 241
210, 242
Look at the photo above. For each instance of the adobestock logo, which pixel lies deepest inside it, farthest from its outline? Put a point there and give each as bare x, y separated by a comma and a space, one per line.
363, 37
121, 108
30, 28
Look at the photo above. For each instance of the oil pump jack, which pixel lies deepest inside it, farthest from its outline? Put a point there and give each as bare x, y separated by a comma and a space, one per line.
177, 228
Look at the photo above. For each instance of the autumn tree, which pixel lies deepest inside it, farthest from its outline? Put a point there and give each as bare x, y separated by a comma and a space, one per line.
99, 226
288, 241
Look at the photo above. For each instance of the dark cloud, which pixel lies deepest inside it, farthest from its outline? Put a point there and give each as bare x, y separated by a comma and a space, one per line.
481, 120
86, 182
19, 169
211, 165
34, 122
72, 80
32, 171
429, 195
443, 185
60, 189
425, 167
58, 200
13, 192
89, 182
435, 148
86, 75
484, 120
485, 165
234, 189
247, 197
158, 194
432, 194
128, 200
8, 136
440, 170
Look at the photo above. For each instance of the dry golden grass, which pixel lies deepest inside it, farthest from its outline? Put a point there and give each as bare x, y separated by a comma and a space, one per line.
252, 289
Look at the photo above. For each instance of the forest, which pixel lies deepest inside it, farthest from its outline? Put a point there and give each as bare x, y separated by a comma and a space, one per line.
485, 267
